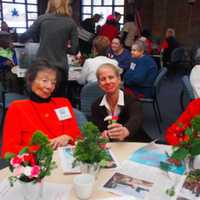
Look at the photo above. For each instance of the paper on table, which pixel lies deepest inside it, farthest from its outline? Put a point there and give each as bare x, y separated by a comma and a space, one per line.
119, 198
152, 154
161, 180
52, 191
67, 159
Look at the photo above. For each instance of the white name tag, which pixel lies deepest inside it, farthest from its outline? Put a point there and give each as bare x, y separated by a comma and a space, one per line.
63, 113
132, 66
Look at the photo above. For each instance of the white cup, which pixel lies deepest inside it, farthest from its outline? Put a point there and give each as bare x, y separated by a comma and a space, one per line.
83, 185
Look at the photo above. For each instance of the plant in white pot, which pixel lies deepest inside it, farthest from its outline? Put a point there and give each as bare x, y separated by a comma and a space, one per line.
90, 152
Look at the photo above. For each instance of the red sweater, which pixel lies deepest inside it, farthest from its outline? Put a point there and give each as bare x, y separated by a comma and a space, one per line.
24, 117
109, 31
174, 131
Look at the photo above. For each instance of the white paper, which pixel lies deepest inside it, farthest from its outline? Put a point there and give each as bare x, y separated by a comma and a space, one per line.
66, 160
51, 191
119, 198
161, 181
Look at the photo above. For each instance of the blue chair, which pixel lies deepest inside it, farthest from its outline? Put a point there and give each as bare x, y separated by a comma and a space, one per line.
7, 99
187, 91
154, 99
80, 117
89, 93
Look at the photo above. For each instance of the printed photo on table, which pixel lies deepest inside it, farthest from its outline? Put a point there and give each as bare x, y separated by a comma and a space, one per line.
126, 185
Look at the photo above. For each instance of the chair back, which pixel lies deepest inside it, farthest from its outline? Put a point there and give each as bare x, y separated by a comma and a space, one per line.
80, 117
187, 87
89, 93
178, 55
27, 54
157, 83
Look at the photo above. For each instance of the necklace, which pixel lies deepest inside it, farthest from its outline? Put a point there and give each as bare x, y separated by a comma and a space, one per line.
46, 115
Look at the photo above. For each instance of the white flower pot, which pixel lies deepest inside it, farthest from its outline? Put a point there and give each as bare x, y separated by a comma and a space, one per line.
31, 191
92, 169
196, 162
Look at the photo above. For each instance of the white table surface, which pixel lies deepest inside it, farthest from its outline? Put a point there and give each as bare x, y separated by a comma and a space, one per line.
121, 151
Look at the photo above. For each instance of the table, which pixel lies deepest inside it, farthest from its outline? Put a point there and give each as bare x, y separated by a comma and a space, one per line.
121, 150
74, 72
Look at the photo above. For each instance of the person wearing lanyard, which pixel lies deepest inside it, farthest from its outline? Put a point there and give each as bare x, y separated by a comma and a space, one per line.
53, 116
124, 109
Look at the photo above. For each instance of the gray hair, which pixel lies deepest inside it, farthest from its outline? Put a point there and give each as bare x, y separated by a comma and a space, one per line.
139, 45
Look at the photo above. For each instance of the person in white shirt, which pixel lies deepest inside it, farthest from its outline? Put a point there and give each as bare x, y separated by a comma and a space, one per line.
100, 47
195, 75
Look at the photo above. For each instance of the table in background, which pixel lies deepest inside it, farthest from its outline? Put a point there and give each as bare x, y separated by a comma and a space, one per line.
121, 150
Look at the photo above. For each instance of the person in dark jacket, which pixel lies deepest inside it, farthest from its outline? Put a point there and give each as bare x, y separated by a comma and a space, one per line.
142, 72
117, 114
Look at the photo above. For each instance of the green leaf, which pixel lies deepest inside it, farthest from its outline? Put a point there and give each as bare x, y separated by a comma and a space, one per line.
180, 154
196, 123
24, 150
189, 131
165, 166
195, 148
9, 156
39, 138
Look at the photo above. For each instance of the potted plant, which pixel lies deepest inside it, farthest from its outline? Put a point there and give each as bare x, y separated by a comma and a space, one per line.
31, 165
90, 152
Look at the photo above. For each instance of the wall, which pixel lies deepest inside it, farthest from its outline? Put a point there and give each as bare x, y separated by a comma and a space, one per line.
177, 14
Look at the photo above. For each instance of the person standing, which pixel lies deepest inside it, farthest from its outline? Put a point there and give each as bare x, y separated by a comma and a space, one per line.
129, 31
109, 29
117, 18
89, 25
58, 36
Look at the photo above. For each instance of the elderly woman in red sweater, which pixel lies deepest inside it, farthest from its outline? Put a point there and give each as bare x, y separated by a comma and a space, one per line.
52, 116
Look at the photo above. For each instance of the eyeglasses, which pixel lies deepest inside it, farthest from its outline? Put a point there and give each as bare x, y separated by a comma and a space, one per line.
133, 49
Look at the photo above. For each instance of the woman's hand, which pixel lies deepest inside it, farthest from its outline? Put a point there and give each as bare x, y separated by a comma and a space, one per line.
60, 141
117, 131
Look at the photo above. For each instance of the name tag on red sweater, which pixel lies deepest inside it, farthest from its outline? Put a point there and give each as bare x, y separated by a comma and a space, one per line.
63, 113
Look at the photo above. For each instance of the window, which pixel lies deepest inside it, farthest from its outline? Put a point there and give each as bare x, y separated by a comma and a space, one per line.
103, 7
19, 14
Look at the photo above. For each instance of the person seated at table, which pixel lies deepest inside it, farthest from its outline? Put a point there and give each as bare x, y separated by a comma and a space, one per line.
146, 38
142, 72
174, 132
53, 116
7, 61
100, 49
123, 108
119, 53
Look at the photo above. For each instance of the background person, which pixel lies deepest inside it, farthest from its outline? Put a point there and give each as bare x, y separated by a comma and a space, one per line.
119, 53
195, 73
117, 18
7, 61
53, 116
142, 72
100, 50
58, 36
89, 25
109, 29
129, 31
118, 104
168, 45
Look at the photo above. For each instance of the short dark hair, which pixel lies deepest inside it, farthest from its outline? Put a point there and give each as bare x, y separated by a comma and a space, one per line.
101, 44
37, 66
